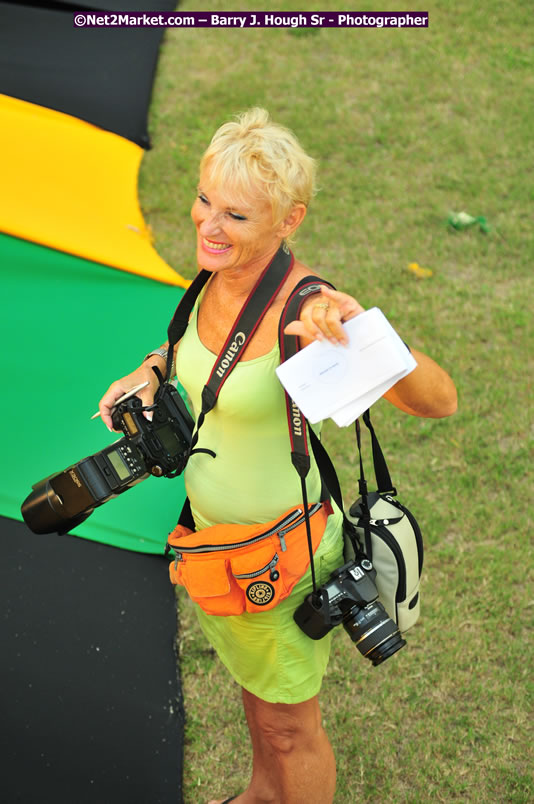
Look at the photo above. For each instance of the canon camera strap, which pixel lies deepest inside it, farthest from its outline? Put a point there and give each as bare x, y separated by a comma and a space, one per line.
297, 423
289, 346
245, 325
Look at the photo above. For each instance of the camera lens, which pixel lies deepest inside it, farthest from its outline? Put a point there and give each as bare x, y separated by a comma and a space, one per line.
376, 635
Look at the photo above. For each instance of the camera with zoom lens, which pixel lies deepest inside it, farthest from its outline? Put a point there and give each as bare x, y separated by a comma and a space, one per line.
351, 597
159, 447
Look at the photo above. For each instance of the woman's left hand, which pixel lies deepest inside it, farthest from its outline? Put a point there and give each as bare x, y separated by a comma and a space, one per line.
322, 316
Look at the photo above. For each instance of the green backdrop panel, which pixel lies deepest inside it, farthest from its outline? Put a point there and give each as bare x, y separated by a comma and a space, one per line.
70, 327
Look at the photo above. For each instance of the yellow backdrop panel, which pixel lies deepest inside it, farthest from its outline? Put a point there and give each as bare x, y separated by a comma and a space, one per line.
73, 186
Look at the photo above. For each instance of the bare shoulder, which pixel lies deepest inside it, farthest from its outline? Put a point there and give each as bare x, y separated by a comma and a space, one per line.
299, 272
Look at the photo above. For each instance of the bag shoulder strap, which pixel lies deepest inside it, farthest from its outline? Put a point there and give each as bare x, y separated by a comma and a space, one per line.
384, 483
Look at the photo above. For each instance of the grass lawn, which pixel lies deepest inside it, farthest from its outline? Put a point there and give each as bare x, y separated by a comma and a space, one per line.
407, 125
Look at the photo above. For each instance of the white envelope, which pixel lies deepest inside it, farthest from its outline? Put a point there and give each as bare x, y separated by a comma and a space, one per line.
342, 382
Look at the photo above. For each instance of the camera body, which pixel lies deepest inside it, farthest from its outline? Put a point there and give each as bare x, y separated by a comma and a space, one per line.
159, 447
350, 597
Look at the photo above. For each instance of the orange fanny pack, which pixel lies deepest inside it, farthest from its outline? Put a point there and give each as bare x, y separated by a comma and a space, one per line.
229, 569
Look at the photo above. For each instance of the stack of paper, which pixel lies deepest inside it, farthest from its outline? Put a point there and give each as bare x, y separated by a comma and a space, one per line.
341, 382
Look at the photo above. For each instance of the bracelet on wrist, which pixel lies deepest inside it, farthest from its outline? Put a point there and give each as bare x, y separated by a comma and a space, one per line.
161, 351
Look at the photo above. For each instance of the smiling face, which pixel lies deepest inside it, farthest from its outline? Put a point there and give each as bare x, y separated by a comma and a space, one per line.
234, 230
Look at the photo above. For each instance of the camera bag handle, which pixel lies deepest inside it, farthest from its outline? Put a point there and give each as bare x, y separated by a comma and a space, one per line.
383, 479
362, 488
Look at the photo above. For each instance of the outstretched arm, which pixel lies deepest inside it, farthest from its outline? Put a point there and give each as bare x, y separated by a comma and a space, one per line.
427, 391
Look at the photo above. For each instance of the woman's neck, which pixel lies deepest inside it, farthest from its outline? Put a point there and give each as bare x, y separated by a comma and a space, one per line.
237, 283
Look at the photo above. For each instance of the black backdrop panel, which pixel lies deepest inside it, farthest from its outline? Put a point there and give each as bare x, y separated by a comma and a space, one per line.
90, 699
102, 75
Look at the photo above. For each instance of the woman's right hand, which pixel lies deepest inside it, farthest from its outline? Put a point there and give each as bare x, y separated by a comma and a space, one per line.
120, 387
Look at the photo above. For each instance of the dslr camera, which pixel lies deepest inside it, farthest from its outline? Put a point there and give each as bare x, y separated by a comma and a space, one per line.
351, 597
159, 447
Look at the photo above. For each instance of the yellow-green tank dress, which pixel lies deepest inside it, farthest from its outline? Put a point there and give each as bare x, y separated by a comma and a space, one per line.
252, 480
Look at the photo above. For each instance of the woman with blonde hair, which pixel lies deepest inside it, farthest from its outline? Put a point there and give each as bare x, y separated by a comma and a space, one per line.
255, 186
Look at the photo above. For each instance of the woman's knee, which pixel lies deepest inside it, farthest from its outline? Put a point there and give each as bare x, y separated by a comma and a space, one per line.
288, 727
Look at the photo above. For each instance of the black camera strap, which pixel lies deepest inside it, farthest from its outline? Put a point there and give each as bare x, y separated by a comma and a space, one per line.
383, 478
362, 488
251, 314
289, 346
248, 319
297, 423
181, 316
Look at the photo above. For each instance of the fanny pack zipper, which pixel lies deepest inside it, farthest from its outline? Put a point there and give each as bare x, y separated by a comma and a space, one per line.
272, 563
302, 518
281, 528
